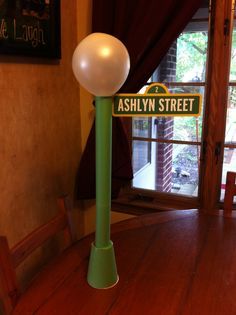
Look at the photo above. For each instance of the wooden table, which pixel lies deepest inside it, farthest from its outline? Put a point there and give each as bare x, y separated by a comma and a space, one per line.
179, 262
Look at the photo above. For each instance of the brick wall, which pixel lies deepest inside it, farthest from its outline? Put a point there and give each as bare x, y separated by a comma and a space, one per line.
165, 126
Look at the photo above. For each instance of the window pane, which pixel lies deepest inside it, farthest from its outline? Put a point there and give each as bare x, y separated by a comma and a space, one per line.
185, 169
229, 162
229, 165
142, 127
230, 132
141, 155
191, 56
233, 57
173, 168
188, 128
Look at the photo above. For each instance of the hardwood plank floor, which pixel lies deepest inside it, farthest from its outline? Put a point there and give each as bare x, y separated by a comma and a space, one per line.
174, 263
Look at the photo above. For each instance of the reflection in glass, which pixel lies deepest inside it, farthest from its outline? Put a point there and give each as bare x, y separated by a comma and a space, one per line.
141, 154
141, 127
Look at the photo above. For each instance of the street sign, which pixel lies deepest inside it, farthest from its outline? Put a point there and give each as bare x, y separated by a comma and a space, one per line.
157, 101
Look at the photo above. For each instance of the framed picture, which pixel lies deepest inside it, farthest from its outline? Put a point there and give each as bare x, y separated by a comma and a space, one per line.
30, 28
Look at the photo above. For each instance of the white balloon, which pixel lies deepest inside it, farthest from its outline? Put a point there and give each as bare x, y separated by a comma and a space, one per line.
101, 64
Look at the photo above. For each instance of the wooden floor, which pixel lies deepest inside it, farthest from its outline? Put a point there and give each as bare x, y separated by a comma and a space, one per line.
171, 264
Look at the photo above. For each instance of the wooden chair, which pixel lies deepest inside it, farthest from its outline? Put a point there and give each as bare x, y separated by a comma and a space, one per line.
230, 192
10, 259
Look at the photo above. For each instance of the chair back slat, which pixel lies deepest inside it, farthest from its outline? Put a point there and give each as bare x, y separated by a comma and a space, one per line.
230, 192
35, 239
10, 259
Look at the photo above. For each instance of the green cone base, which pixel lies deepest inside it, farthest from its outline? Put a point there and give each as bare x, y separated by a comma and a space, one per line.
102, 272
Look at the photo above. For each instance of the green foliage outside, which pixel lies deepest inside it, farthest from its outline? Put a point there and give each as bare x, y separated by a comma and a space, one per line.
187, 128
191, 56
190, 67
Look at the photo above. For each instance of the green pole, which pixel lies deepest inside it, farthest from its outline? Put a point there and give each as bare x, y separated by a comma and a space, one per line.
102, 272
103, 169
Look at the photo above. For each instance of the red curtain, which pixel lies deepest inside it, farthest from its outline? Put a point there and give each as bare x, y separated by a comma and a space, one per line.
147, 28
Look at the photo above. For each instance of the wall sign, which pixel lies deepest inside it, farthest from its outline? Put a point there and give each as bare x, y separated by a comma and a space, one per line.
30, 27
157, 101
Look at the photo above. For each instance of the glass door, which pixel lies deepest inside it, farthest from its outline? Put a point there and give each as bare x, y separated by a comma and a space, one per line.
229, 159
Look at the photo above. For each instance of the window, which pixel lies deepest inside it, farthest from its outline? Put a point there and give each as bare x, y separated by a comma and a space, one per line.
182, 162
170, 147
